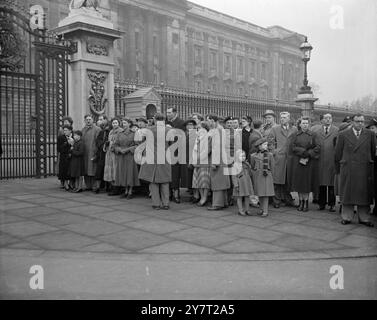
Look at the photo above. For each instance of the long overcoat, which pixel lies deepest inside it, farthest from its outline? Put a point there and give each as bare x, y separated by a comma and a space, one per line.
89, 136
219, 160
304, 145
278, 144
354, 160
156, 172
326, 168
125, 168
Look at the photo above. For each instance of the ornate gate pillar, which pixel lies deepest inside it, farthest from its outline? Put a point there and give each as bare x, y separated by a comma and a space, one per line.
307, 104
91, 68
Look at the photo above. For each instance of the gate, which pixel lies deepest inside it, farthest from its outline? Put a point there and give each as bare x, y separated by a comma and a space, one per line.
33, 95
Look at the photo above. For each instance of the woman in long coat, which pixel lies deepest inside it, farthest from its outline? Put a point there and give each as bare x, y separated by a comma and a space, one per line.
126, 173
64, 143
201, 178
109, 169
304, 149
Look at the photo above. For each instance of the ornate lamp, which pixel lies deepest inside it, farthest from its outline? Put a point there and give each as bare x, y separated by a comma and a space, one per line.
306, 49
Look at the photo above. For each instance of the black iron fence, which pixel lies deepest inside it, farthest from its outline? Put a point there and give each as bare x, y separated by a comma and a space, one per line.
189, 101
205, 102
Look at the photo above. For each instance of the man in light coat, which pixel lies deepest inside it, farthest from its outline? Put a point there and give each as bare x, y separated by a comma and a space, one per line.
89, 136
156, 167
326, 133
278, 144
354, 154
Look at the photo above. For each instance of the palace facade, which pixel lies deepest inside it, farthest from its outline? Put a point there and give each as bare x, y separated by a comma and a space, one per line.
180, 43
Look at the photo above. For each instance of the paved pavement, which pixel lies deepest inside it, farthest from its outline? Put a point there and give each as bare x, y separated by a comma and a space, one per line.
40, 221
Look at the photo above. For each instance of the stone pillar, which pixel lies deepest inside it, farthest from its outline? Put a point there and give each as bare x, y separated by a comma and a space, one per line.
91, 68
307, 104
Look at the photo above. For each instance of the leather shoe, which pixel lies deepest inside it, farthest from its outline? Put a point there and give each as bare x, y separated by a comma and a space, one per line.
156, 207
344, 222
367, 223
164, 207
213, 208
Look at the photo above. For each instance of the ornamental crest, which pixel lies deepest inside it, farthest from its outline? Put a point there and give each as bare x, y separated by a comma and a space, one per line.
97, 100
12, 46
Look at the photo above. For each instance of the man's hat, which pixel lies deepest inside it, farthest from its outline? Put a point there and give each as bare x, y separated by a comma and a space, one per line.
192, 121
372, 122
269, 113
142, 119
229, 118
260, 141
347, 119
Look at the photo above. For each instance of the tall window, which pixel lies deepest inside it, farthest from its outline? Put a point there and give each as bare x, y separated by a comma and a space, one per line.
240, 65
282, 72
227, 63
155, 46
263, 71
252, 68
198, 56
213, 60
137, 40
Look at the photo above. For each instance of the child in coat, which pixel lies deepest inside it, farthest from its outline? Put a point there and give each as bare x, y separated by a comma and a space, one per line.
242, 186
262, 164
77, 161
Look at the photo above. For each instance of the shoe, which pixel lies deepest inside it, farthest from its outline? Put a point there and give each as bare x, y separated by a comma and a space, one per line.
301, 206
242, 213
76, 190
306, 206
194, 200
344, 222
214, 208
156, 207
164, 207
290, 204
332, 209
367, 223
321, 208
264, 214
129, 196
176, 199
276, 205
123, 195
248, 213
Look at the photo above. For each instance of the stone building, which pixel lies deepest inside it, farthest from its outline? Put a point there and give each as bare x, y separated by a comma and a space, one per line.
187, 45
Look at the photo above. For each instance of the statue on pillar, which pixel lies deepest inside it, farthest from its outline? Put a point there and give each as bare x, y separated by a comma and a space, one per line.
85, 4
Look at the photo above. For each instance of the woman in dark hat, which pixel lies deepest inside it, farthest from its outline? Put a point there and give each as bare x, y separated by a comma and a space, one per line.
304, 148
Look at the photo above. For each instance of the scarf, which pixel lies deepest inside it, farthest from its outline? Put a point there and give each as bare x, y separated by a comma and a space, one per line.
265, 163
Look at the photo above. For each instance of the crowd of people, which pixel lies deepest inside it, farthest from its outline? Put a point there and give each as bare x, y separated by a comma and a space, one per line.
270, 162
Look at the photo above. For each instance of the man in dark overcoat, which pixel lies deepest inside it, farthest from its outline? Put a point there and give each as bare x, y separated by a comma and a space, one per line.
326, 134
354, 154
177, 169
372, 125
278, 144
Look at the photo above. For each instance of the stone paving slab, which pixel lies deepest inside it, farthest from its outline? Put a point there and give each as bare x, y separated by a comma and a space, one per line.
37, 216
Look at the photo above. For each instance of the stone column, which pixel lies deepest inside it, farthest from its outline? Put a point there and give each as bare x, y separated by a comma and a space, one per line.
91, 68
306, 101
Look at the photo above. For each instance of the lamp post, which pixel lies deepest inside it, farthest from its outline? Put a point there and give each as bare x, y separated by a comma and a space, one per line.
305, 95
306, 49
